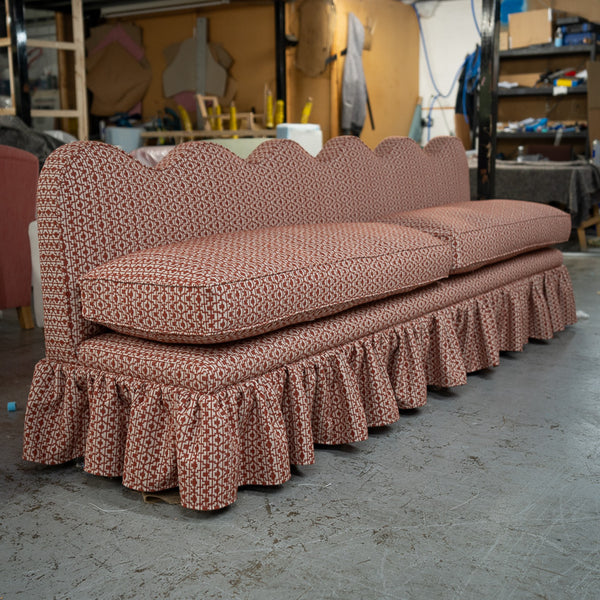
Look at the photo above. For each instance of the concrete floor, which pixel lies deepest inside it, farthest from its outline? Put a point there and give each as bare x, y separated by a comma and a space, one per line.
492, 490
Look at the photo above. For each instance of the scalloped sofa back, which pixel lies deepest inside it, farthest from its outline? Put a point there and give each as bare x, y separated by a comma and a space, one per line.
210, 319
101, 204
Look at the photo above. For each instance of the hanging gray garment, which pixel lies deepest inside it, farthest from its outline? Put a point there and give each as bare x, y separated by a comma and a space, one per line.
354, 86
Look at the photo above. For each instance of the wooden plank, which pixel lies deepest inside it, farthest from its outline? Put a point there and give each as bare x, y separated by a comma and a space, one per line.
80, 84
56, 113
9, 112
4, 42
210, 134
56, 45
201, 35
64, 90
334, 89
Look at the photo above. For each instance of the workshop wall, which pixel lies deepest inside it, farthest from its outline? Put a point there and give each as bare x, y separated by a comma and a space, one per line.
391, 69
450, 34
247, 33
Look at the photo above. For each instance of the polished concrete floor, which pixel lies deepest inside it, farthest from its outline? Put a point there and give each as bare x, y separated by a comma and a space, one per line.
492, 490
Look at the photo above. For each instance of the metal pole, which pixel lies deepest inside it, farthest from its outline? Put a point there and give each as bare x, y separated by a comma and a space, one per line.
280, 46
488, 99
18, 37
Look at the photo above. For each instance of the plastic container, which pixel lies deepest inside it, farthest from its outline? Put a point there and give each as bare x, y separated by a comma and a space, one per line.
558, 37
126, 138
308, 135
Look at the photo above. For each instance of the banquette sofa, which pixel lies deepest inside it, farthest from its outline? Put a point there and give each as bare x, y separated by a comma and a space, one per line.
211, 319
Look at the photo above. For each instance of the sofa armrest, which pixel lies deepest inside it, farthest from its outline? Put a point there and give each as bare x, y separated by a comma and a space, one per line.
18, 184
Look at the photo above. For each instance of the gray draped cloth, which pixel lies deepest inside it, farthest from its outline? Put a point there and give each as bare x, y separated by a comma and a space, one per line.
573, 186
354, 86
14, 132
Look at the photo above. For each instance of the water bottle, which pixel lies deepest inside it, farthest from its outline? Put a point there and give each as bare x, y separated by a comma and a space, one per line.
558, 37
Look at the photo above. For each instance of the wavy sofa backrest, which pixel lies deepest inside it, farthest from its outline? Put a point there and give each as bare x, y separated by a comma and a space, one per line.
96, 203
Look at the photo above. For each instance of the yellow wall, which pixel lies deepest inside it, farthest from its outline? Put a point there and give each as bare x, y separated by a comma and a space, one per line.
247, 32
391, 70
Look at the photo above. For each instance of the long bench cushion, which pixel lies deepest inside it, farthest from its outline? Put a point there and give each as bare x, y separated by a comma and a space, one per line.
487, 231
234, 285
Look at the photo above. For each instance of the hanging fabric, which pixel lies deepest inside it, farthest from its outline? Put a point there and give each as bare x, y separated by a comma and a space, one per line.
354, 86
465, 108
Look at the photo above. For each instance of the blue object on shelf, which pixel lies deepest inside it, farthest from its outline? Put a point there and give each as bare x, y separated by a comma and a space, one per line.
11, 406
575, 39
510, 6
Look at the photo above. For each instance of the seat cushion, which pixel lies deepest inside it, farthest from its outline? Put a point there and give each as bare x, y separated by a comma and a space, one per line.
234, 285
487, 231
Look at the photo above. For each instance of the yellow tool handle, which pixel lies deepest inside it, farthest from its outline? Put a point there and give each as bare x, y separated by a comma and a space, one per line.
306, 111
279, 112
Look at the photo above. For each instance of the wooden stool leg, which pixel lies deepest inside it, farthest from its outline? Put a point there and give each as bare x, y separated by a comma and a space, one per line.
25, 317
582, 240
594, 220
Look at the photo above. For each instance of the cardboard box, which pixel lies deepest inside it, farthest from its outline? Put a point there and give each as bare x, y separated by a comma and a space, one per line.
530, 28
593, 101
503, 40
522, 79
588, 9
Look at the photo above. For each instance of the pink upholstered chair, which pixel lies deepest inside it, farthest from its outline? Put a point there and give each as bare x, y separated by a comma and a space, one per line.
18, 184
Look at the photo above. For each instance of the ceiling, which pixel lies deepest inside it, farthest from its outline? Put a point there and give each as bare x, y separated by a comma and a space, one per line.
90, 5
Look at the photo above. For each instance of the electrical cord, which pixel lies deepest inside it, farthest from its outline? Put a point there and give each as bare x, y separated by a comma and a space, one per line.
475, 18
438, 93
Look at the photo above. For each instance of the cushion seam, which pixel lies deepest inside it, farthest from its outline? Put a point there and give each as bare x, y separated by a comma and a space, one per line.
369, 298
86, 279
491, 226
506, 254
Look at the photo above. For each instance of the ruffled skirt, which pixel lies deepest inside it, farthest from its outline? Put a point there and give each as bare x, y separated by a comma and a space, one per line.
212, 418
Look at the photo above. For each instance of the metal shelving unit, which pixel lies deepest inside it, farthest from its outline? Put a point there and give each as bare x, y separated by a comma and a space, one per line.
549, 50
534, 135
549, 55
540, 91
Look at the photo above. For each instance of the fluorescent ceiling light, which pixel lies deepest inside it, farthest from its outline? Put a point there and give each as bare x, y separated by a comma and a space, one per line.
157, 6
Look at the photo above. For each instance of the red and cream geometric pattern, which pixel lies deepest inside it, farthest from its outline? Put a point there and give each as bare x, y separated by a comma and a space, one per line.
488, 231
229, 286
210, 418
248, 428
210, 368
96, 203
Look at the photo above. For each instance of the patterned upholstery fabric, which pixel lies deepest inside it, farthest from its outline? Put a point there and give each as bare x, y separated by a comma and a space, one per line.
233, 285
210, 418
96, 203
242, 416
211, 367
489, 231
